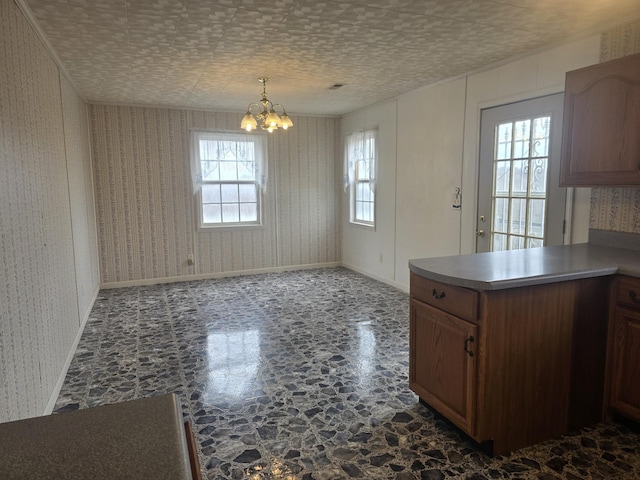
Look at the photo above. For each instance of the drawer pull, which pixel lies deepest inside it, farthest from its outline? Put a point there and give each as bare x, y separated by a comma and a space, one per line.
632, 295
437, 295
466, 345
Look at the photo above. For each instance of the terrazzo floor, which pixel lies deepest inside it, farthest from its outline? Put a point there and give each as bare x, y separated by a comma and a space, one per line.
302, 375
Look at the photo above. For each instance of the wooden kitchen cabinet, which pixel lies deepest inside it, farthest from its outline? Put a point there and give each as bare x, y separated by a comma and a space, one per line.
600, 141
510, 367
623, 372
443, 373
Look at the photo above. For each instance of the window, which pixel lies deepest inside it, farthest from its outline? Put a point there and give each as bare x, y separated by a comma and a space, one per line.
229, 174
360, 176
520, 190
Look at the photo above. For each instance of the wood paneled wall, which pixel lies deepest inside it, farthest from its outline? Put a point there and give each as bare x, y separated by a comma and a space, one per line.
146, 212
48, 256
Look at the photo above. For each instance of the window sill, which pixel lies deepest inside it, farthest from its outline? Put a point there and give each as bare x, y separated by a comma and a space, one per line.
365, 226
228, 228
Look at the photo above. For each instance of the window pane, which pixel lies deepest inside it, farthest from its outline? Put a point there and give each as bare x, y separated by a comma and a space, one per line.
541, 128
246, 170
518, 216
521, 140
362, 169
248, 193
228, 171
366, 212
516, 243
230, 213
538, 177
535, 242
520, 177
503, 142
210, 171
363, 192
211, 193
499, 242
358, 211
211, 214
208, 149
500, 215
536, 218
230, 193
501, 175
248, 212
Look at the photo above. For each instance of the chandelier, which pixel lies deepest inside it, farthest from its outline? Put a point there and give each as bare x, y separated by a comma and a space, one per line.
264, 113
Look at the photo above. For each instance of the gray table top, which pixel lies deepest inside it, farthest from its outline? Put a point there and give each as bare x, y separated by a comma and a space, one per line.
137, 439
535, 266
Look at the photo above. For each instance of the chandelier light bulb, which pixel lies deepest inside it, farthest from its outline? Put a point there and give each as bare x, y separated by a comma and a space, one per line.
248, 122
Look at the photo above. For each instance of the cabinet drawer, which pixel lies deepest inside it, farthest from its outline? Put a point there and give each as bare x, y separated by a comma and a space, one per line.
628, 292
458, 301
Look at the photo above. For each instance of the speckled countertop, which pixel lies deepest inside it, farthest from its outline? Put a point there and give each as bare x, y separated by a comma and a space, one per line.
137, 439
535, 266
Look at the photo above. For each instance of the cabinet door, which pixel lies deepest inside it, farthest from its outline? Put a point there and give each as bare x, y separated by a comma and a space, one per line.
442, 370
600, 141
625, 368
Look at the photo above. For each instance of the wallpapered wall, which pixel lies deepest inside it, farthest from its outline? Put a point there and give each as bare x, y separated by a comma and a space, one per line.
617, 209
43, 128
146, 212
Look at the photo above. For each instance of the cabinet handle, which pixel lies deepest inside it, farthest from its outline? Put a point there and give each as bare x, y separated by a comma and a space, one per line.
632, 295
437, 295
466, 345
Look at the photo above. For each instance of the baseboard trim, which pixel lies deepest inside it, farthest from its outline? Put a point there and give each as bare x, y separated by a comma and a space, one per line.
72, 351
208, 276
399, 286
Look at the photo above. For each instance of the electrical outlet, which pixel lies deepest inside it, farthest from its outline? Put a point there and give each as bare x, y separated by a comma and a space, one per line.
190, 259
381, 258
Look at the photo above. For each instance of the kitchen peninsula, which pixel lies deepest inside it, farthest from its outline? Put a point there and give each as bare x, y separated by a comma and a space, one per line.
143, 438
512, 346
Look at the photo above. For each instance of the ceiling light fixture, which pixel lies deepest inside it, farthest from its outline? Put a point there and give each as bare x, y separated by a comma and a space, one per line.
264, 113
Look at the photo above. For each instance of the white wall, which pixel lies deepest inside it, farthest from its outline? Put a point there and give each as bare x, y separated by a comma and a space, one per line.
430, 126
436, 138
529, 77
48, 257
362, 246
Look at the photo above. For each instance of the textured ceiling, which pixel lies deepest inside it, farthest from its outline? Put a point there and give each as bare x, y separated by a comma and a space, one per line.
209, 54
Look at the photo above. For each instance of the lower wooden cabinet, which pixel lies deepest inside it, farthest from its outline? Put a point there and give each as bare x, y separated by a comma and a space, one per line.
624, 349
443, 367
522, 365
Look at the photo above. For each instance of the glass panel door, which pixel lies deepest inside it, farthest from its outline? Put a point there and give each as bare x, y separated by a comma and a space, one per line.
520, 204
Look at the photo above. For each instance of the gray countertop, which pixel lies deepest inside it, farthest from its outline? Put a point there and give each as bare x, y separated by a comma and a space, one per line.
535, 266
136, 439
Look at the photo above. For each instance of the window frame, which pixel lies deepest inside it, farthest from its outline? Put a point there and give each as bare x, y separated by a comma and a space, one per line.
354, 180
259, 180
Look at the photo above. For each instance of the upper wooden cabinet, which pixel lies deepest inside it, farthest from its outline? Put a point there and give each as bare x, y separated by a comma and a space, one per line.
601, 129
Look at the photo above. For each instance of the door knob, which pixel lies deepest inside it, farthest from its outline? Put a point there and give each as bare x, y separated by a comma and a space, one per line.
479, 233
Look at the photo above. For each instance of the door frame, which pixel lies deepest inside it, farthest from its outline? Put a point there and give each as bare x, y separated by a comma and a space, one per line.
471, 167
555, 219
